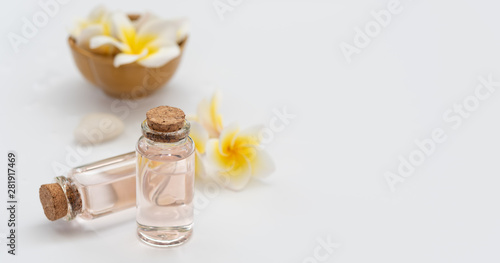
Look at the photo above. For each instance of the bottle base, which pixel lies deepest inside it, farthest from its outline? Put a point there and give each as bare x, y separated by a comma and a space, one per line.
164, 236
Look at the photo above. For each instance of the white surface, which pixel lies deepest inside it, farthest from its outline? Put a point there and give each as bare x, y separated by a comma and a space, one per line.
352, 122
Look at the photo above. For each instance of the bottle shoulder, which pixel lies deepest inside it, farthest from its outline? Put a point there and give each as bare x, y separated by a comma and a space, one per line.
155, 150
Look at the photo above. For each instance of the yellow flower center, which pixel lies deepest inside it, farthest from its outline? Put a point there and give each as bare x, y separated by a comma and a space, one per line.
137, 43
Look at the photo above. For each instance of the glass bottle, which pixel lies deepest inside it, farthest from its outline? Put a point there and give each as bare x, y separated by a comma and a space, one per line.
165, 178
91, 191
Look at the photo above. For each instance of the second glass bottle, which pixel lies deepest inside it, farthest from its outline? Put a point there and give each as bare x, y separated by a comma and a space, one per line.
165, 178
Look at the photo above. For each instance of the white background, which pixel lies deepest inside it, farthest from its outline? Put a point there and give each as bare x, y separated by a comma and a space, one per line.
352, 122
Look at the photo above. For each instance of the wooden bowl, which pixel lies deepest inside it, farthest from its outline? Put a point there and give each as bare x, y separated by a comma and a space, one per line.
130, 81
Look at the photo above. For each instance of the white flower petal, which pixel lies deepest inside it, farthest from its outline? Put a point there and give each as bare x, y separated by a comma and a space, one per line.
161, 57
87, 33
122, 58
199, 136
183, 28
191, 117
76, 27
254, 133
164, 30
98, 16
203, 113
235, 182
98, 41
98, 13
160, 42
209, 116
227, 137
235, 156
263, 164
235, 178
122, 28
200, 170
212, 147
143, 18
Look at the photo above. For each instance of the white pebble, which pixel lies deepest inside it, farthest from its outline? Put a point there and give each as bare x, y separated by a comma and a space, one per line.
96, 128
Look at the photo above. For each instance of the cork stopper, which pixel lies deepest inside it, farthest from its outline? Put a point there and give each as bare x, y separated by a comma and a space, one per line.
165, 119
53, 200
165, 124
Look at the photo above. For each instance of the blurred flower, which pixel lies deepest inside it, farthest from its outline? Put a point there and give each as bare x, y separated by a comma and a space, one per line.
200, 138
209, 116
183, 28
148, 40
182, 25
97, 23
153, 44
227, 155
236, 157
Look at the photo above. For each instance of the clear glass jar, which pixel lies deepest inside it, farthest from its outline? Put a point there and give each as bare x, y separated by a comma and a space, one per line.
165, 186
91, 191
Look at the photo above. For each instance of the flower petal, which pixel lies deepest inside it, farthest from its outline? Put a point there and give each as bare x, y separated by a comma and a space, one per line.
209, 116
199, 168
98, 13
123, 58
98, 41
77, 26
236, 156
163, 30
203, 111
227, 138
249, 137
161, 57
199, 136
262, 164
97, 17
143, 18
237, 177
214, 156
214, 114
123, 29
182, 27
234, 170
87, 33
191, 117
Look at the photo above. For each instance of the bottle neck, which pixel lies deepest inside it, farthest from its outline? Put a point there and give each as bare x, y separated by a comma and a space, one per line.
166, 144
73, 197
166, 138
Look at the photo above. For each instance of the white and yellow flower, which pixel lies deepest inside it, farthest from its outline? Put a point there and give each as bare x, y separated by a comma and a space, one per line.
236, 157
209, 117
227, 155
200, 138
182, 25
97, 23
153, 43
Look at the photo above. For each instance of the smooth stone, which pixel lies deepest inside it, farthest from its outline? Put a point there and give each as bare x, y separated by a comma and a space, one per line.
96, 128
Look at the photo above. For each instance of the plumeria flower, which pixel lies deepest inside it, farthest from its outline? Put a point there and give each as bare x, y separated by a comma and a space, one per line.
97, 23
237, 157
228, 156
183, 28
207, 124
209, 117
200, 138
152, 44
182, 25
